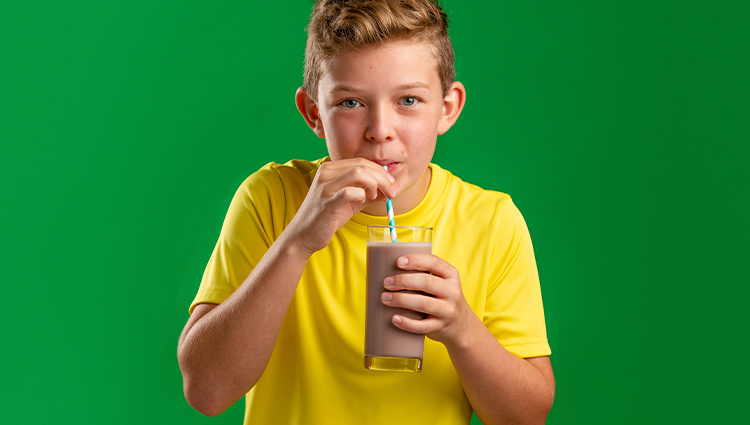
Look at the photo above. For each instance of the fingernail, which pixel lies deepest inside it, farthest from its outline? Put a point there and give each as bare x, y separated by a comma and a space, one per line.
387, 296
388, 281
397, 320
402, 261
391, 178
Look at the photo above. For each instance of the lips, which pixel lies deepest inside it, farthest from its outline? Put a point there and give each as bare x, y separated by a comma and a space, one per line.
388, 163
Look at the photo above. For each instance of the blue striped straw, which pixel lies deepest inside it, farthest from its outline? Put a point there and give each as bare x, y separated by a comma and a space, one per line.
389, 205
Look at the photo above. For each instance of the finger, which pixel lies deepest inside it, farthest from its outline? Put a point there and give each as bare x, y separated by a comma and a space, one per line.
371, 180
417, 326
431, 284
350, 178
347, 195
350, 168
354, 162
346, 164
427, 263
423, 282
420, 303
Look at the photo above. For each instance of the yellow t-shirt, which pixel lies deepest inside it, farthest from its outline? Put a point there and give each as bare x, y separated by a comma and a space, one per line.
316, 374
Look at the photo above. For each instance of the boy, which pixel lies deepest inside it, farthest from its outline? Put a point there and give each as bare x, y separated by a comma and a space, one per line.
280, 311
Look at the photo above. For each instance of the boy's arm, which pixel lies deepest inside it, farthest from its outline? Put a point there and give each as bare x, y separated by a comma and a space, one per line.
225, 348
501, 387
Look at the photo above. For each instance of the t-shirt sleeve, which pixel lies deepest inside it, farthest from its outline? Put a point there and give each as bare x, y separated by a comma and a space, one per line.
248, 231
513, 311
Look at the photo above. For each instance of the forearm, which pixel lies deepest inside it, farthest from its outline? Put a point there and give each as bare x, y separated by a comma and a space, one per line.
501, 387
224, 354
223, 351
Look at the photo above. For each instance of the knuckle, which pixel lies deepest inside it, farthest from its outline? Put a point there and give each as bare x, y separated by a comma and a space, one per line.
423, 303
456, 293
418, 280
399, 283
358, 172
324, 169
451, 310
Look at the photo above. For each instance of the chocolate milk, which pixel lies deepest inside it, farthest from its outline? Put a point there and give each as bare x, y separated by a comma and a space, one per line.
382, 338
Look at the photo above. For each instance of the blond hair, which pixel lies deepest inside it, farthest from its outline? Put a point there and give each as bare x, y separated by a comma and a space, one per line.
341, 25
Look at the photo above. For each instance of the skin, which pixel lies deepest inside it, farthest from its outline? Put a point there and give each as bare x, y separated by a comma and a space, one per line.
379, 105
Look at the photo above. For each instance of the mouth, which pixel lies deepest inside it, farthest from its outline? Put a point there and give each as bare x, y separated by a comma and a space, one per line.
389, 164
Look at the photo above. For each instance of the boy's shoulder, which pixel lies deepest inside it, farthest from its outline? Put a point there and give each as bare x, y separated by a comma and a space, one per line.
294, 167
299, 170
457, 188
275, 189
472, 203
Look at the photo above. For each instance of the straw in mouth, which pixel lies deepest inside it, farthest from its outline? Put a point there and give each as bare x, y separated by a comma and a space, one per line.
391, 222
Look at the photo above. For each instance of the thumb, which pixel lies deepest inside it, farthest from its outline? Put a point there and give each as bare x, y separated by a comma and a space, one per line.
359, 206
368, 202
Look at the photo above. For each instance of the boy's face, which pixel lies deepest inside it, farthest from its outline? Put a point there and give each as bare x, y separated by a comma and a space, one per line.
385, 103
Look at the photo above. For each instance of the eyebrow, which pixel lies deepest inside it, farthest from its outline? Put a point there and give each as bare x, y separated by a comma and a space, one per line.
414, 85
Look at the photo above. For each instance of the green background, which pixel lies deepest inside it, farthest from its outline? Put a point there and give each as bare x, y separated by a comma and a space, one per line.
620, 129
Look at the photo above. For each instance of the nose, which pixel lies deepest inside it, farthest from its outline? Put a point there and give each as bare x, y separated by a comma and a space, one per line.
379, 127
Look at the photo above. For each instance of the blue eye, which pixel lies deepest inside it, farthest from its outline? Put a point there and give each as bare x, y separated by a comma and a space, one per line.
349, 103
409, 101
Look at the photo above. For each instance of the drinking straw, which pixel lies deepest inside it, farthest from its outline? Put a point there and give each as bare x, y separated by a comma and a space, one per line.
391, 222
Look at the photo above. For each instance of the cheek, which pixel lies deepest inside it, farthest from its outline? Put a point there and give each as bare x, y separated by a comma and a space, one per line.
421, 134
342, 135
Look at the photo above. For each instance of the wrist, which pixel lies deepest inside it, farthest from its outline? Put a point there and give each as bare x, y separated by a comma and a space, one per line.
467, 337
293, 246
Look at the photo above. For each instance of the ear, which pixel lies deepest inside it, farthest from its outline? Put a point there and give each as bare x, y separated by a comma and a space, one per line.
309, 110
453, 104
